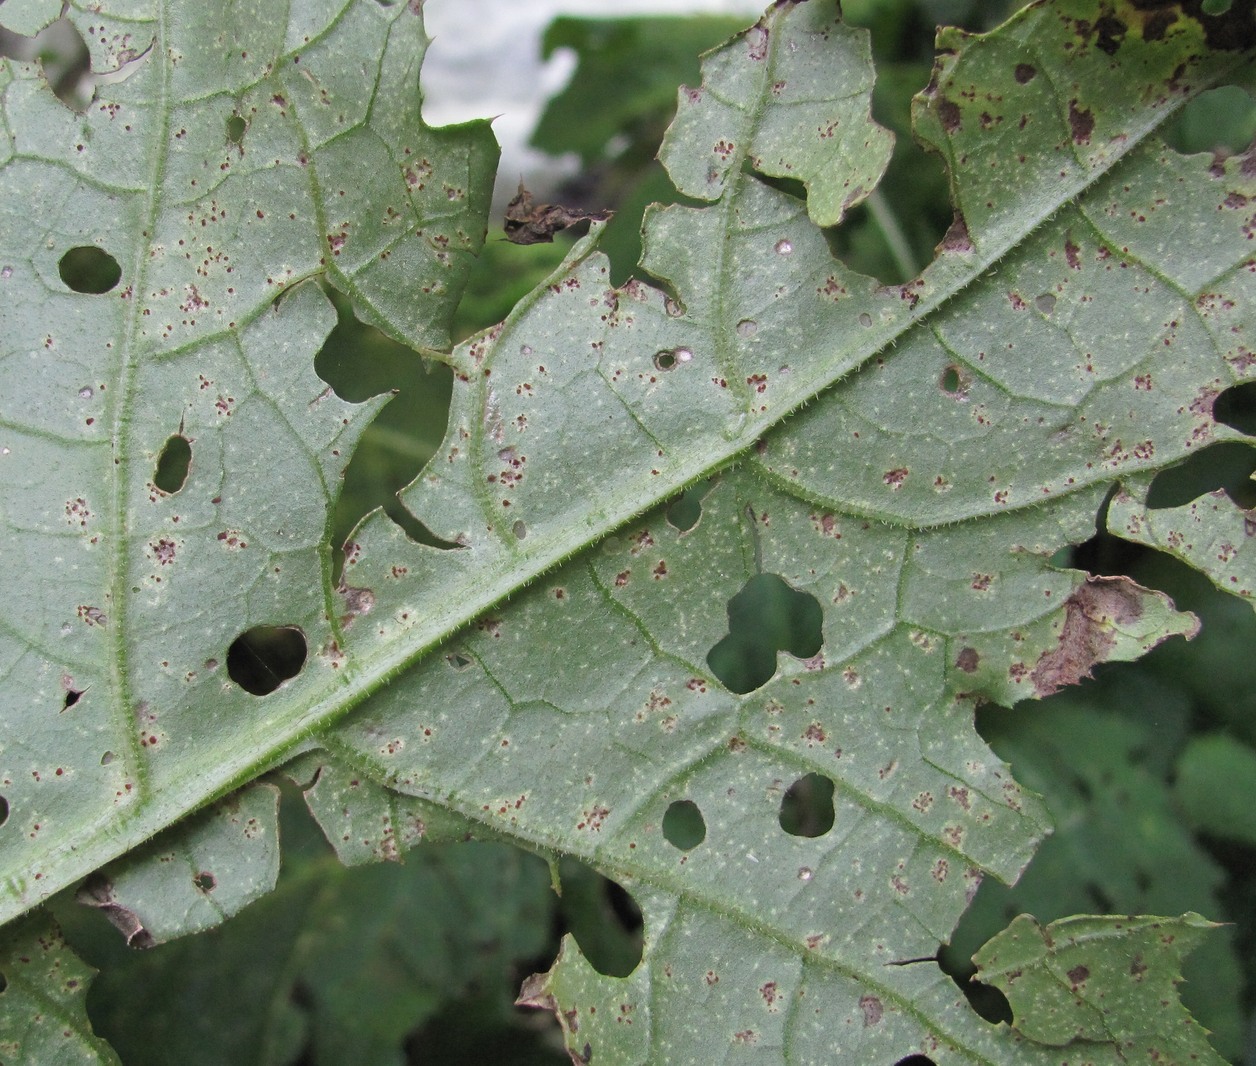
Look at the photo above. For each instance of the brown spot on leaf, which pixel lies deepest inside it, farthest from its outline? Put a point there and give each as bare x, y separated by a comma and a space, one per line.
1078, 974
872, 1010
1092, 614
1081, 121
949, 114
967, 660
1025, 73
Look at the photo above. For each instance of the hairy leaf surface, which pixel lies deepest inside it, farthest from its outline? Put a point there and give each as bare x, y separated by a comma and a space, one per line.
909, 458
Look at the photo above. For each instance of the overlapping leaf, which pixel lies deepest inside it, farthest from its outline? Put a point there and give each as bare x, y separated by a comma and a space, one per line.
1086, 309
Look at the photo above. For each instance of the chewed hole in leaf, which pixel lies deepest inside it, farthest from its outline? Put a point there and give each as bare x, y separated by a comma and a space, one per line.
685, 511
1228, 465
1236, 408
807, 807
1221, 121
205, 881
683, 825
766, 617
72, 696
986, 1000
519, 529
89, 269
359, 362
916, 1060
235, 129
173, 464
603, 917
264, 657
4, 810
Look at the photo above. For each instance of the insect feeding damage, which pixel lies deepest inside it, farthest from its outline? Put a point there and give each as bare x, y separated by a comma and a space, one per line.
98, 893
1094, 615
529, 223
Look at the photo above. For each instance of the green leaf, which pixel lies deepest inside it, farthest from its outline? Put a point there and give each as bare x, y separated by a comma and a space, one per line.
44, 987
1216, 778
1088, 979
910, 459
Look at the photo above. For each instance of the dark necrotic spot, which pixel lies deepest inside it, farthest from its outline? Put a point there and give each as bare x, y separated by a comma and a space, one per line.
1228, 465
89, 269
264, 657
1025, 73
766, 617
683, 825
807, 807
173, 464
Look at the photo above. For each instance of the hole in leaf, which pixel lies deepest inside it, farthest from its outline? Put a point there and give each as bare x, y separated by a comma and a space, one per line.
107, 758
359, 362
4, 983
671, 358
173, 464
683, 825
807, 807
61, 52
955, 381
685, 511
205, 881
1221, 120
235, 129
72, 696
1236, 408
603, 917
916, 1060
764, 618
519, 529
1228, 465
264, 657
1215, 7
4, 810
1045, 303
89, 269
458, 661
987, 1000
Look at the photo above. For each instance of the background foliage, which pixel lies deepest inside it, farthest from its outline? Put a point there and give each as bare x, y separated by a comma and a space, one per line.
1144, 769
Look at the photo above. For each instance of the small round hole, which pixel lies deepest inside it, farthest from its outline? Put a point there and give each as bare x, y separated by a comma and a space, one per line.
264, 657
89, 269
807, 807
950, 379
683, 825
235, 129
519, 529
205, 881
4, 810
1045, 303
107, 758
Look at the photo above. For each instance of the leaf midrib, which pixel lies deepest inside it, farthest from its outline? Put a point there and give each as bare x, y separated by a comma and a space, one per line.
241, 758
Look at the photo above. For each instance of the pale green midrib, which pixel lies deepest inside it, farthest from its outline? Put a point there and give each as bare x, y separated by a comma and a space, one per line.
77, 855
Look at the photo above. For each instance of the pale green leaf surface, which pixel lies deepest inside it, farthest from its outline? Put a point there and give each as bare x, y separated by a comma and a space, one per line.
1103, 979
28, 17
44, 1015
126, 598
1072, 332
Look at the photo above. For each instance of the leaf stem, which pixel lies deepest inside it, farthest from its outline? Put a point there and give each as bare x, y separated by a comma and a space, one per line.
895, 239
